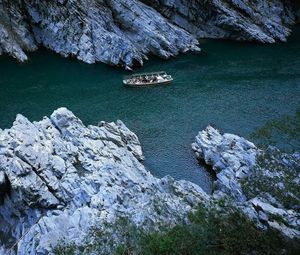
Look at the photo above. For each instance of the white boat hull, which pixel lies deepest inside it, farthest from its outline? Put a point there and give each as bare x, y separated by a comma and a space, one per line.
147, 84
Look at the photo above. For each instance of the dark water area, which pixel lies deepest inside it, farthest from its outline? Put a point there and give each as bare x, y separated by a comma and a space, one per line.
236, 87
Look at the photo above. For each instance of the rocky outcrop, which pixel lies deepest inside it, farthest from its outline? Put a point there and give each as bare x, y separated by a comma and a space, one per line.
262, 21
15, 32
58, 178
113, 32
231, 157
124, 32
263, 184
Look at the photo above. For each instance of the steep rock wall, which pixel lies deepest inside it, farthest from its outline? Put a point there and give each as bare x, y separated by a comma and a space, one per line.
124, 32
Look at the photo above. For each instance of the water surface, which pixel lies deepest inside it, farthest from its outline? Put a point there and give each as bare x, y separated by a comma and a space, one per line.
236, 87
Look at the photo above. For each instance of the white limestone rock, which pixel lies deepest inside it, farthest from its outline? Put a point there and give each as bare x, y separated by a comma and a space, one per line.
235, 160
64, 177
119, 32
124, 32
231, 157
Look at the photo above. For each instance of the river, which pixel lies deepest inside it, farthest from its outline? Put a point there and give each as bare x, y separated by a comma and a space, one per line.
236, 87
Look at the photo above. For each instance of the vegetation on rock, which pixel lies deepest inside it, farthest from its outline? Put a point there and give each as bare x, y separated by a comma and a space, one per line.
276, 174
222, 230
287, 128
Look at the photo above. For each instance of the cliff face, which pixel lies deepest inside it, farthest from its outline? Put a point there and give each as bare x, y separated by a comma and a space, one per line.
124, 32
113, 32
262, 21
15, 31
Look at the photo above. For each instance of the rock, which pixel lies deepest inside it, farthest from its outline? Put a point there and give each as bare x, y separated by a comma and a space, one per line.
59, 178
126, 137
230, 156
261, 21
15, 32
113, 32
244, 173
3, 186
124, 32
66, 177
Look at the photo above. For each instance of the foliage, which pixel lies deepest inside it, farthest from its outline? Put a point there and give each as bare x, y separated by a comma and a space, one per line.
283, 133
65, 249
221, 231
109, 239
215, 233
276, 174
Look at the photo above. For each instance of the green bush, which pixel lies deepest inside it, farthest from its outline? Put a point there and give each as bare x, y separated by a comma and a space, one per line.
217, 233
65, 249
269, 172
283, 133
222, 231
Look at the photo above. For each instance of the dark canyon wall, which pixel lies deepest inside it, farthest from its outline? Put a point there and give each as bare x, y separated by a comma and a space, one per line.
124, 32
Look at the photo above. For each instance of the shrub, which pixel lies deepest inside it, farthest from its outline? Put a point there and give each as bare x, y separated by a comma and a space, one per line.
222, 231
283, 133
216, 233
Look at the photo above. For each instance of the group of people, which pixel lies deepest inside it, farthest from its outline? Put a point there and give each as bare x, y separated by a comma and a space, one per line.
143, 79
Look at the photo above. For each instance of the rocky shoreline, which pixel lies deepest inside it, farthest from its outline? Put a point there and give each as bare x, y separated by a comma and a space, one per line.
125, 32
259, 183
58, 178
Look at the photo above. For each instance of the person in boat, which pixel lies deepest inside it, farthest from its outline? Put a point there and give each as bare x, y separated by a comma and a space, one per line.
145, 79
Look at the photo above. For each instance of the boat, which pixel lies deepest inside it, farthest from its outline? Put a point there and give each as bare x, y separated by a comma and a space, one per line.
147, 79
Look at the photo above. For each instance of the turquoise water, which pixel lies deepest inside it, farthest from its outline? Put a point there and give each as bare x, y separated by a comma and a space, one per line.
236, 87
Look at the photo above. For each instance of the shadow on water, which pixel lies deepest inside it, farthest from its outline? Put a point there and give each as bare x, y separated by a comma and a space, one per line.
237, 87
